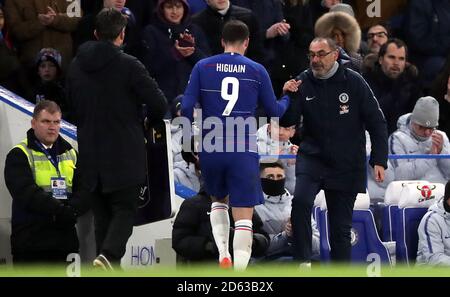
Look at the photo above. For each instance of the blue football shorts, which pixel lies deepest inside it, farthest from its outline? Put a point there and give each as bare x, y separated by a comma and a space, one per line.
232, 174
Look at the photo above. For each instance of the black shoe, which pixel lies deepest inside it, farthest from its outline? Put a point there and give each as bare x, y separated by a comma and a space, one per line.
102, 262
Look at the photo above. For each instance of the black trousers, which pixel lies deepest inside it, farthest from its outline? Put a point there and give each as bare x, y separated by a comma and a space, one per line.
114, 215
39, 257
340, 210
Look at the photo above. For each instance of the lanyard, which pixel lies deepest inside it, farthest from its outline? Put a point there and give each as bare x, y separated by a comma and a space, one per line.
49, 157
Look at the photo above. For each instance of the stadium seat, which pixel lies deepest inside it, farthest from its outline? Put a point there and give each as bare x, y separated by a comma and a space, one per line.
322, 225
318, 203
414, 202
365, 239
390, 211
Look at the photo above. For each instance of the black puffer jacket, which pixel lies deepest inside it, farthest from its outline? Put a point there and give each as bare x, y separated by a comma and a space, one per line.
169, 68
54, 91
39, 222
192, 236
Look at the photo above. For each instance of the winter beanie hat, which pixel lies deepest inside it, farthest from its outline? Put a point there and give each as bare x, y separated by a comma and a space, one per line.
426, 112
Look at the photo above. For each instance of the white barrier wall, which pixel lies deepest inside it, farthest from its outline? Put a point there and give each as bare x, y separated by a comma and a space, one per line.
15, 117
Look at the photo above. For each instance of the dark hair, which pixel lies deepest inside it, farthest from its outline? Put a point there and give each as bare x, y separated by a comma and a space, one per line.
398, 43
264, 166
109, 23
235, 31
331, 43
172, 2
48, 105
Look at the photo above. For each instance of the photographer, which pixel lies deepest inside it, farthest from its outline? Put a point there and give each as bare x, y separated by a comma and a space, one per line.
172, 46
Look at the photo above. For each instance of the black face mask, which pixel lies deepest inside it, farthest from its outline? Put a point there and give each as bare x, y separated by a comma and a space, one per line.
273, 187
446, 206
190, 157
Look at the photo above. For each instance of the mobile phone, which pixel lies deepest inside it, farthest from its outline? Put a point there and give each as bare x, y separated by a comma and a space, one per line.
184, 43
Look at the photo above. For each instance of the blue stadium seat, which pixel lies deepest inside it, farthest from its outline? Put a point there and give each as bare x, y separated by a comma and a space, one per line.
319, 202
365, 239
388, 218
414, 202
322, 225
390, 211
408, 221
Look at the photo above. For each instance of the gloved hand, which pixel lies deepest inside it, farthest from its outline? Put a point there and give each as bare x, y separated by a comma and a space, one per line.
66, 215
79, 204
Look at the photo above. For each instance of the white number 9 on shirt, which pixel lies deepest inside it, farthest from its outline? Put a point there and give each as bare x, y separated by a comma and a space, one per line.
230, 97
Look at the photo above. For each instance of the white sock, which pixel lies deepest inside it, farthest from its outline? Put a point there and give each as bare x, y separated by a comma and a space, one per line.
242, 243
220, 223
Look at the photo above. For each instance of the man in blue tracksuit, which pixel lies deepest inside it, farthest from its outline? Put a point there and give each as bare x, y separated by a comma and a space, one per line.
337, 106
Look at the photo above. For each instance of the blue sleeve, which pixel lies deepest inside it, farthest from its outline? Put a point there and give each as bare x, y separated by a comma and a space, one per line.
267, 98
191, 94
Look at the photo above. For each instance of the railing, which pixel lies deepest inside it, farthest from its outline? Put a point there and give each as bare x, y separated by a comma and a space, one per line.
186, 192
417, 156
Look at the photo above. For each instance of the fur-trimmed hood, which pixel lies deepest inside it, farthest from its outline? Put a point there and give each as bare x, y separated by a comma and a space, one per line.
343, 21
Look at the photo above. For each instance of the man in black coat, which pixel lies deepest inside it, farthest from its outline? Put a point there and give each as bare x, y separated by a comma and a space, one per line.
107, 89
394, 82
192, 236
337, 106
212, 19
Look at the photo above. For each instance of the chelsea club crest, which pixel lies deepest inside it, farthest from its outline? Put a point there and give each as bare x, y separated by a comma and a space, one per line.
343, 98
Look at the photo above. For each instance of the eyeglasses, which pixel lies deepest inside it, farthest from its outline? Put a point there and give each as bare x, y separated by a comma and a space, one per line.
320, 54
423, 128
380, 34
